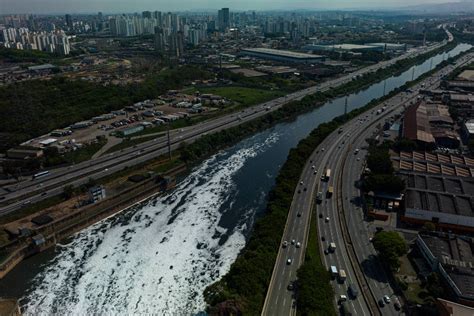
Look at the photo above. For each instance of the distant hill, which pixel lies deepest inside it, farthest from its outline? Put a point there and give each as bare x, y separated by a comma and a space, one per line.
453, 7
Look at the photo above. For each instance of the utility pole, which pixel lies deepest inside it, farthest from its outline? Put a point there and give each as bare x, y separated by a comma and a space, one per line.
431, 64
384, 86
345, 107
169, 142
413, 74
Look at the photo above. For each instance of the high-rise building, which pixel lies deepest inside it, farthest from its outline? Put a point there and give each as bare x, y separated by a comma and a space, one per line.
100, 16
223, 19
146, 14
69, 21
159, 39
176, 42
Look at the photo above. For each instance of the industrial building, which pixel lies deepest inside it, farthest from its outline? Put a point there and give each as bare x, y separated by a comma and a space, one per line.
429, 124
446, 201
453, 258
434, 163
344, 47
468, 130
282, 55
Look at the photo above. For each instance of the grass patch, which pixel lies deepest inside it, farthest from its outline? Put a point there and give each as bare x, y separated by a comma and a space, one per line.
243, 95
314, 291
126, 143
30, 209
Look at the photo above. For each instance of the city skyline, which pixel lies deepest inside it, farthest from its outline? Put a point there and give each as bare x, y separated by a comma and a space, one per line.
121, 6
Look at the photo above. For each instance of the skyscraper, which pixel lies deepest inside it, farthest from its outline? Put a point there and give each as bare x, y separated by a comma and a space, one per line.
159, 39
223, 19
69, 21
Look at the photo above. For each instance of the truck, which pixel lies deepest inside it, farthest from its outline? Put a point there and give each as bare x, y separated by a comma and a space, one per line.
342, 276
333, 271
332, 247
327, 175
329, 192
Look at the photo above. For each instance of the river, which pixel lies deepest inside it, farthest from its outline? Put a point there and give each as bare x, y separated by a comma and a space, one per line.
158, 256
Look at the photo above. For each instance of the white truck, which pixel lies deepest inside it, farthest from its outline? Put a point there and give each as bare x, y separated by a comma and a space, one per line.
332, 247
342, 276
334, 272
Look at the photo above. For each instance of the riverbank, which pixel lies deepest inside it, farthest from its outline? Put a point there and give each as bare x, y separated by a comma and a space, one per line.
46, 236
246, 283
229, 138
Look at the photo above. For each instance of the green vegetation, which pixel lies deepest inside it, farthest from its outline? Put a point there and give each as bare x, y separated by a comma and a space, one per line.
36, 107
30, 209
53, 158
127, 142
390, 246
314, 292
247, 281
381, 171
34, 56
243, 95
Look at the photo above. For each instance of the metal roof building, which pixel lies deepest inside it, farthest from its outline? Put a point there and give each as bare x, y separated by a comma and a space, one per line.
282, 55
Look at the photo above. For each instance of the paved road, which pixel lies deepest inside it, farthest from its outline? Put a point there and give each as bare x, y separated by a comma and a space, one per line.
279, 300
31, 191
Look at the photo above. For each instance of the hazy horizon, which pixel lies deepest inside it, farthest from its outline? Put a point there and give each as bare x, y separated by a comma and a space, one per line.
125, 6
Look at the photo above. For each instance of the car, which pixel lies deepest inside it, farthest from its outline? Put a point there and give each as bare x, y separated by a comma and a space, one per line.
285, 244
298, 244
313, 167
326, 252
290, 287
322, 149
327, 219
315, 172
288, 261
386, 299
396, 304
298, 214
381, 303
293, 241
320, 215
342, 298
323, 238
44, 193
299, 191
301, 182
305, 189
358, 159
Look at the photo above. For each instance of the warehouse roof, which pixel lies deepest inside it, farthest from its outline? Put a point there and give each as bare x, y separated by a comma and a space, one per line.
282, 53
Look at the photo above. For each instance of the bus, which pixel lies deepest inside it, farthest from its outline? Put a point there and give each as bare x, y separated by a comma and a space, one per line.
40, 174
329, 192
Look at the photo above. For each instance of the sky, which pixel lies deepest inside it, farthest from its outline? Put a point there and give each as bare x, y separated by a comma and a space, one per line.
128, 6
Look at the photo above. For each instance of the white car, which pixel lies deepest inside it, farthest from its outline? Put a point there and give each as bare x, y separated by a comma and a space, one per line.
386, 298
288, 261
285, 243
293, 241
327, 219
298, 244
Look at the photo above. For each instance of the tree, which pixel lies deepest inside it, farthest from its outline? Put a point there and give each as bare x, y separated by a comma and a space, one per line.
379, 161
434, 286
384, 182
68, 192
390, 246
429, 227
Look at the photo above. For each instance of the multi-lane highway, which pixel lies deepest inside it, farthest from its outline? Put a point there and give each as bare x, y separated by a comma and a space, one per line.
339, 220
15, 196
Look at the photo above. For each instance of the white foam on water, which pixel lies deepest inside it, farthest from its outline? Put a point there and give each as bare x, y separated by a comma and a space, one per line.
155, 258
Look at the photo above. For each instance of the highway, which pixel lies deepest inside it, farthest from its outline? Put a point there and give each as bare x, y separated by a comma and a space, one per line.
31, 191
346, 226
